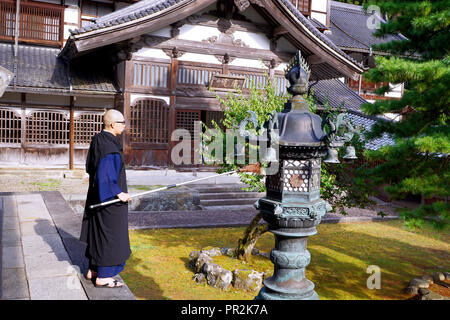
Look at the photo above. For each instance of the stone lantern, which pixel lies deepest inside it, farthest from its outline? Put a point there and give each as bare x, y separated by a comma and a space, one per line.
292, 206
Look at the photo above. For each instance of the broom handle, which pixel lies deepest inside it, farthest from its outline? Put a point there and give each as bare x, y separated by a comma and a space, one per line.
160, 189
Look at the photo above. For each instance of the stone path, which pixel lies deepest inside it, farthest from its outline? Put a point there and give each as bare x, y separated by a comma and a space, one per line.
41, 257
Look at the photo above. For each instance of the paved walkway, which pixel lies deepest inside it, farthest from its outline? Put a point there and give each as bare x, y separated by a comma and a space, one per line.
41, 257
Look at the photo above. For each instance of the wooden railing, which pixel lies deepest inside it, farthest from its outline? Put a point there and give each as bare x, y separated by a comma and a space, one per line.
151, 74
38, 22
304, 6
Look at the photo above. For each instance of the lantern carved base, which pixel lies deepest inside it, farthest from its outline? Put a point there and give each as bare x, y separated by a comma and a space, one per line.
291, 224
290, 258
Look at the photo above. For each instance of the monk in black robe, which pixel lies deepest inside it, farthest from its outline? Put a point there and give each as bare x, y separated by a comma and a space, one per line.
105, 229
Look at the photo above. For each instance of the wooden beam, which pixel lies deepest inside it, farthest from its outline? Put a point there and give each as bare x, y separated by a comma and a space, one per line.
279, 31
314, 59
72, 129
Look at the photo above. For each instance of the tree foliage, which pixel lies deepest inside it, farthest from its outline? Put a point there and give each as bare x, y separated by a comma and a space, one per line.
418, 162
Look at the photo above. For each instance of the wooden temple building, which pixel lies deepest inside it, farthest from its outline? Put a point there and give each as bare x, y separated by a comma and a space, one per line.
154, 60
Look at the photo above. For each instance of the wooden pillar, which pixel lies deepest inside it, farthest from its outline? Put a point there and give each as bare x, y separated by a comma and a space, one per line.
23, 129
71, 136
173, 90
126, 110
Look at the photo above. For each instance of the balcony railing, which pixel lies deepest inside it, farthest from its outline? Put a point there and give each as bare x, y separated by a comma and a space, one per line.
38, 22
304, 6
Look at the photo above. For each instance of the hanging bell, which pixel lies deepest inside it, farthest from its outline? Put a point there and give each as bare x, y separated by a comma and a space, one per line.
332, 156
350, 153
270, 156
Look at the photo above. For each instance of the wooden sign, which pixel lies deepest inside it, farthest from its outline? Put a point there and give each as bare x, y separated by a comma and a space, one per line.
224, 82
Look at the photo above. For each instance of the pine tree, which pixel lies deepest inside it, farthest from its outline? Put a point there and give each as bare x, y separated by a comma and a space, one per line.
418, 162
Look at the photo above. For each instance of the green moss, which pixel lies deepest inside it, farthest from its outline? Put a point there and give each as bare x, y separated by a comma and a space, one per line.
340, 255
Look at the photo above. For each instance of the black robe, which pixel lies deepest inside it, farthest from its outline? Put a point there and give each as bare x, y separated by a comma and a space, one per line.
105, 229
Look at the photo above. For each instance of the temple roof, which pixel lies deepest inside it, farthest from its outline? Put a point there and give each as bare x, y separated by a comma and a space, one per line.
349, 26
147, 16
39, 69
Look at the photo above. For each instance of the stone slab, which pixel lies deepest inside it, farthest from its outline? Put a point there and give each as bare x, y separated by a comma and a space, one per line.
12, 257
10, 238
9, 206
14, 284
57, 288
52, 269
31, 207
10, 223
41, 244
37, 227
39, 260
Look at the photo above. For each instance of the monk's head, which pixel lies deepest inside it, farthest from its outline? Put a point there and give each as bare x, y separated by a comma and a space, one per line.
114, 121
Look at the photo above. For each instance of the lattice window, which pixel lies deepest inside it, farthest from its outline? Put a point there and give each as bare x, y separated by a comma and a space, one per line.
39, 22
280, 84
47, 127
10, 126
304, 6
149, 121
195, 75
186, 120
217, 116
255, 78
151, 75
86, 125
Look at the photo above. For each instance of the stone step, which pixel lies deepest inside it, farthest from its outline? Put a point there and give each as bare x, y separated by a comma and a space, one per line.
230, 187
228, 202
242, 207
230, 195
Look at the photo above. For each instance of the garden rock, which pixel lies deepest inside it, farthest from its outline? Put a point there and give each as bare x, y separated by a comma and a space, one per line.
438, 276
447, 275
420, 283
213, 252
428, 278
216, 276
412, 290
227, 251
424, 291
249, 280
432, 296
201, 260
199, 278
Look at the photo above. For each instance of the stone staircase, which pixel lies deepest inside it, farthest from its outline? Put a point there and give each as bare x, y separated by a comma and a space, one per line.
227, 196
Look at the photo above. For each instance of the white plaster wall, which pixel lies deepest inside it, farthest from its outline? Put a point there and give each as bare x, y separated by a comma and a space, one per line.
197, 33
281, 66
322, 17
164, 32
319, 5
134, 96
396, 90
197, 57
248, 63
71, 14
151, 53
254, 40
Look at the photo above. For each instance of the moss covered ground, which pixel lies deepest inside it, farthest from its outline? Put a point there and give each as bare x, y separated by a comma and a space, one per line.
341, 254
